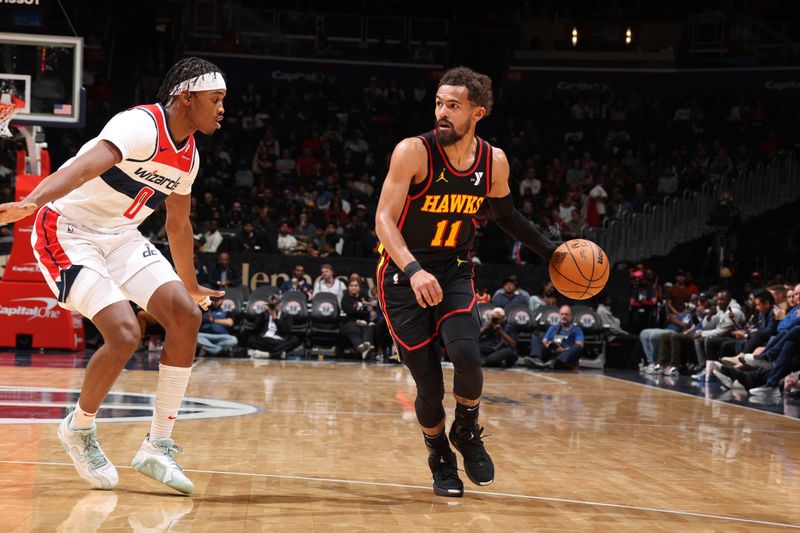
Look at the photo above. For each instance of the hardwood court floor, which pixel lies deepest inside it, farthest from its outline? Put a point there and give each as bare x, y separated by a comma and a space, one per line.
336, 447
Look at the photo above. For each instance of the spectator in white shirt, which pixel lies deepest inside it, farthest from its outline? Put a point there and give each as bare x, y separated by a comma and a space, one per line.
213, 238
287, 244
530, 184
327, 282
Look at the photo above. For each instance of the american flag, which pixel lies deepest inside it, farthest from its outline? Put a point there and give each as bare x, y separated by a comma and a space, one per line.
62, 109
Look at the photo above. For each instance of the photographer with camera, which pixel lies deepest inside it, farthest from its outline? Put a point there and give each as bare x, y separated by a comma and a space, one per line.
275, 333
562, 345
498, 341
359, 325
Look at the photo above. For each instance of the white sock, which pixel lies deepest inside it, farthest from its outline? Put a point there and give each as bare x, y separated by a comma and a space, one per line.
172, 382
81, 419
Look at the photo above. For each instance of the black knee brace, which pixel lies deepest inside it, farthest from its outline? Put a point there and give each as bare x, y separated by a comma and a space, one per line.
428, 404
425, 368
460, 334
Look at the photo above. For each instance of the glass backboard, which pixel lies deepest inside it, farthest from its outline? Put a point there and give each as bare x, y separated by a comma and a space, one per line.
43, 74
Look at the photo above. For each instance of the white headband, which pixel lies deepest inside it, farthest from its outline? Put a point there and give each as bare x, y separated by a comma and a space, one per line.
212, 81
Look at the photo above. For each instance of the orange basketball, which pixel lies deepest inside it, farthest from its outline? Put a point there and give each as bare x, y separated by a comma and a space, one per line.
579, 269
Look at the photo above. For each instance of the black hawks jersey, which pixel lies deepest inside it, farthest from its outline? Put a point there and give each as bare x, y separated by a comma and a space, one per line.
438, 220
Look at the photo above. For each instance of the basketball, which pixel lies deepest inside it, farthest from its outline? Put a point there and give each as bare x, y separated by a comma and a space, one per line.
579, 269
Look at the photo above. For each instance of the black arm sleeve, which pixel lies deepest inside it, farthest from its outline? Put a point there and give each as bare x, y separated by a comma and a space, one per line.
520, 228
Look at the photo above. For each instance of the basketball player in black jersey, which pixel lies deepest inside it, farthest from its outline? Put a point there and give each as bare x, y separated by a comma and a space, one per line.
425, 222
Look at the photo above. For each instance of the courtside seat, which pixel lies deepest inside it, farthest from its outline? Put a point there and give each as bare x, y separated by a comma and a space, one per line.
295, 304
233, 300
323, 331
484, 308
595, 336
546, 316
520, 317
260, 297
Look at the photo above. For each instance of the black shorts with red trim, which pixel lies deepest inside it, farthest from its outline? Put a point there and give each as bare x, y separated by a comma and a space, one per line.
411, 325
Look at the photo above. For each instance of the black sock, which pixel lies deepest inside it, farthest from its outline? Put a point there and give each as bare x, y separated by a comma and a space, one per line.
466, 417
437, 444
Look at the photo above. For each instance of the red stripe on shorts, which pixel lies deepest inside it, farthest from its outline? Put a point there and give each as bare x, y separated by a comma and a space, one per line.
51, 231
51, 253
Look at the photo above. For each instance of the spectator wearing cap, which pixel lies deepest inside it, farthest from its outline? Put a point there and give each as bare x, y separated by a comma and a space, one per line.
510, 294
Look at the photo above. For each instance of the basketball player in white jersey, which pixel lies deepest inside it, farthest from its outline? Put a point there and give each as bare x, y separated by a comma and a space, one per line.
95, 259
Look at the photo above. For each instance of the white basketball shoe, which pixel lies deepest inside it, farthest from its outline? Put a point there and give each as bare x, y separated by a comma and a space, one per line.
88, 457
154, 459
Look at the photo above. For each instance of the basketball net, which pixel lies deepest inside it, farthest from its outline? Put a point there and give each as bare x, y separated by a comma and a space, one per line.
7, 111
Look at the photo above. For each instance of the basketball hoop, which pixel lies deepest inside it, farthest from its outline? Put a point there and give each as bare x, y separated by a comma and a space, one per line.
7, 112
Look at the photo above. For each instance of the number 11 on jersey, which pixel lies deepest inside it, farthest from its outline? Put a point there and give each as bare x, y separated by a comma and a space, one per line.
441, 228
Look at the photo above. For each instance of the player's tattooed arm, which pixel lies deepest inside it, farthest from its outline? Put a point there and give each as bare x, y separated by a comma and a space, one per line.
408, 165
181, 243
507, 216
87, 166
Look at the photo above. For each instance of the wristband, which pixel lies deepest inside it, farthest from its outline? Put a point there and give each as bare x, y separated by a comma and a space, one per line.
412, 268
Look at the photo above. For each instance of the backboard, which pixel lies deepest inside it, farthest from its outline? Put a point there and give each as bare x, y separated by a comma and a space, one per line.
45, 73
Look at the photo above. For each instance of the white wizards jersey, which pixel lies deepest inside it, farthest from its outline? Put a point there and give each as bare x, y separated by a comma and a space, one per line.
152, 168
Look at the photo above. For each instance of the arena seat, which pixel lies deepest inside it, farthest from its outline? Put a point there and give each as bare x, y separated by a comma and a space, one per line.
295, 303
233, 300
323, 330
484, 308
546, 316
595, 335
259, 298
521, 318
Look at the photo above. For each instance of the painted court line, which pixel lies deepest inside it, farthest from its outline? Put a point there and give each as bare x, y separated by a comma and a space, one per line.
477, 492
539, 375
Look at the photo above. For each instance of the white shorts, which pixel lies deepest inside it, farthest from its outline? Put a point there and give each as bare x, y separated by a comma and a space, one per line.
88, 270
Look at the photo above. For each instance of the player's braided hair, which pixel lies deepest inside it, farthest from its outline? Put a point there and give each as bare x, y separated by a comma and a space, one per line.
185, 69
479, 86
